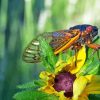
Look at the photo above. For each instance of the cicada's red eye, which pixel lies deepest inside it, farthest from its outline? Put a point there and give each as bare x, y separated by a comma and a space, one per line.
89, 29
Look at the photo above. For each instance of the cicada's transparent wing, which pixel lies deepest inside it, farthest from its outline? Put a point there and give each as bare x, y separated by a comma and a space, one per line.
32, 52
58, 40
64, 40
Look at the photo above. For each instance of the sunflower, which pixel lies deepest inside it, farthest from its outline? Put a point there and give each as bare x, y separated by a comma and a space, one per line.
67, 83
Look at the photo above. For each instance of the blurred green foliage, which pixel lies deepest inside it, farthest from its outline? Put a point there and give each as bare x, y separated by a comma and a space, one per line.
22, 20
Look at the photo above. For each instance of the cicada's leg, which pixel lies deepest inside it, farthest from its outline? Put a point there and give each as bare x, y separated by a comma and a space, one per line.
96, 47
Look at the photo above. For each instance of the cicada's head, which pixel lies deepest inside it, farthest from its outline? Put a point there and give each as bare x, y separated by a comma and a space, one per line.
93, 30
89, 29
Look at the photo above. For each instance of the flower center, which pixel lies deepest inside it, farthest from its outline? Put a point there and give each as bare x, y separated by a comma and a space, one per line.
64, 82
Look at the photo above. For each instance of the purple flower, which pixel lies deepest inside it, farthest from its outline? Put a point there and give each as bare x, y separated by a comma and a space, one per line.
64, 82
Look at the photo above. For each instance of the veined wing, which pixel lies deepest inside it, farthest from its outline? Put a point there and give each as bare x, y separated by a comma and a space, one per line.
59, 38
63, 40
59, 41
32, 52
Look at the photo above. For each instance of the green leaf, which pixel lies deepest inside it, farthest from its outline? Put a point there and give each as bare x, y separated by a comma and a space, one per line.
84, 68
94, 97
92, 63
94, 70
33, 84
34, 95
66, 55
48, 57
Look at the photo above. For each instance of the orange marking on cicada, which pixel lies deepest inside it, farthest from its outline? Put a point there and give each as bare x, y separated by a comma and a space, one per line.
68, 45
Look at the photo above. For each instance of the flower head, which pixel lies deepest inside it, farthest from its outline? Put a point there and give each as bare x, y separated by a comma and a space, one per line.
66, 83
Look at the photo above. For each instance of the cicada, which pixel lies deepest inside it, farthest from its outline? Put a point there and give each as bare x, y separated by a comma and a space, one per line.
74, 37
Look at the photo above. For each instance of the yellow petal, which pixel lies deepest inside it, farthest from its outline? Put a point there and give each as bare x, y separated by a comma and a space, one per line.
94, 92
47, 89
89, 77
70, 65
79, 86
45, 75
95, 78
60, 66
83, 98
81, 57
61, 95
93, 86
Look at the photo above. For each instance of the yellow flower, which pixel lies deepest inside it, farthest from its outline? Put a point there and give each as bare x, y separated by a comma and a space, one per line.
66, 83
85, 85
